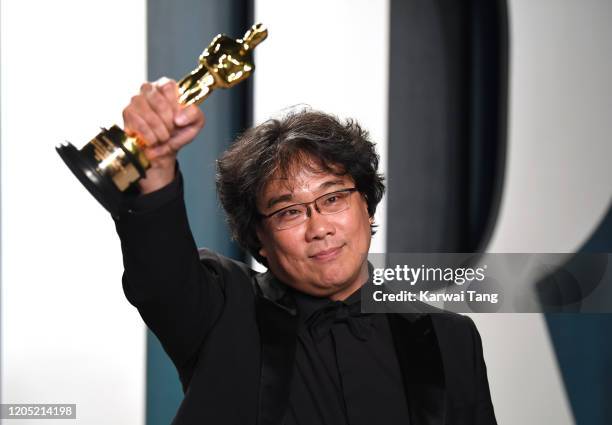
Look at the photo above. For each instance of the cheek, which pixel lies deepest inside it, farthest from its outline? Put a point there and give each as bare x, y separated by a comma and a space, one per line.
359, 229
290, 246
286, 246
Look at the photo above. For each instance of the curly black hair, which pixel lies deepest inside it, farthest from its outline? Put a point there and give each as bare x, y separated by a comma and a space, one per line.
305, 138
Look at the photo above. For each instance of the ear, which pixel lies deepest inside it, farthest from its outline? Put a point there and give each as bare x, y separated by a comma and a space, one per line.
364, 203
262, 251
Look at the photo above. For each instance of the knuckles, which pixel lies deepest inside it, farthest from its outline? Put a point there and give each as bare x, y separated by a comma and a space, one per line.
150, 114
168, 85
145, 87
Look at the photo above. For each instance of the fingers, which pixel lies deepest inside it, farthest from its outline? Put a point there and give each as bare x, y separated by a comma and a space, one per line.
190, 115
156, 116
169, 90
135, 125
160, 151
147, 103
161, 106
151, 113
180, 137
140, 117
191, 120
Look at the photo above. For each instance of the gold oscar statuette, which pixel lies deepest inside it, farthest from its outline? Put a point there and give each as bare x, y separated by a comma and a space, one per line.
112, 162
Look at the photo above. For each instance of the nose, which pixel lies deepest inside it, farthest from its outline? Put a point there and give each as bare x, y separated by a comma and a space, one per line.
318, 226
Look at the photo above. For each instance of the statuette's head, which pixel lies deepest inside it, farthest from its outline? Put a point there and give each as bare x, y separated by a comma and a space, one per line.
231, 61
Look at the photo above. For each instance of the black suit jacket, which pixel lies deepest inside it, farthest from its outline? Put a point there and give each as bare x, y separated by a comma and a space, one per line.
231, 333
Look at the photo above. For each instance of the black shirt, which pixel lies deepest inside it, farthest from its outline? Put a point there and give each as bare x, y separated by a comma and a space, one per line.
344, 373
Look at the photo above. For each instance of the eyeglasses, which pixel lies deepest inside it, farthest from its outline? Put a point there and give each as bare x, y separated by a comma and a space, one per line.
293, 215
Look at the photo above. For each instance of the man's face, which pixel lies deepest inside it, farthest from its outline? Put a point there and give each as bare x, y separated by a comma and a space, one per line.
325, 255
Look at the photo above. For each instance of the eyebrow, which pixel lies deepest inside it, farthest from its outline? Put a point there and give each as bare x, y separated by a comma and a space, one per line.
289, 196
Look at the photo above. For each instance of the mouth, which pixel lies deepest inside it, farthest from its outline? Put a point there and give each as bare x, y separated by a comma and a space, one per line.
328, 254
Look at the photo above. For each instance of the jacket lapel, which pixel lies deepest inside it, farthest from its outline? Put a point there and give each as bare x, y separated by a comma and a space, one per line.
421, 365
415, 340
277, 321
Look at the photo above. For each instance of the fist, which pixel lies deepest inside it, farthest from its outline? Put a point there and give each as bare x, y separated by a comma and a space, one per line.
164, 126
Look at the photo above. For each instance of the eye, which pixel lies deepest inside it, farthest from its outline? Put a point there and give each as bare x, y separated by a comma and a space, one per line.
333, 198
289, 214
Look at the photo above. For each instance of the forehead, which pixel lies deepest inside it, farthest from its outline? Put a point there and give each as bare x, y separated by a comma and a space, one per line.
301, 183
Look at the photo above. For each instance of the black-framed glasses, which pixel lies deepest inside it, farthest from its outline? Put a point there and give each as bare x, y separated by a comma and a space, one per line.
293, 215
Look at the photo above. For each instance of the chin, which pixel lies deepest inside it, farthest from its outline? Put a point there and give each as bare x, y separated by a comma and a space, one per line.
334, 279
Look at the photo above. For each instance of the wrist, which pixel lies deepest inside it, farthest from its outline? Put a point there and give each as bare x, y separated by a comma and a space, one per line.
155, 180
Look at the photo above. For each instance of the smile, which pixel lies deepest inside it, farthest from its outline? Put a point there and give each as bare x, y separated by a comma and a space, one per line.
327, 255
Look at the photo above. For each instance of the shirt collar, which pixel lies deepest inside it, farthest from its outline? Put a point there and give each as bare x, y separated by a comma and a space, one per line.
307, 304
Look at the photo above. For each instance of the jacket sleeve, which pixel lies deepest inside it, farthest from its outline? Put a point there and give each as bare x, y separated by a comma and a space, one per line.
178, 296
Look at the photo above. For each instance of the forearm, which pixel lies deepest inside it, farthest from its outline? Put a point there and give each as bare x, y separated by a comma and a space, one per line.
177, 298
156, 242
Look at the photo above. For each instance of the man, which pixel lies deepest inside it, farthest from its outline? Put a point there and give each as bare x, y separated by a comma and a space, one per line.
289, 346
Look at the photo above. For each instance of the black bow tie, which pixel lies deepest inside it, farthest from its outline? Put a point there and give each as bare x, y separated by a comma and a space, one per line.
360, 324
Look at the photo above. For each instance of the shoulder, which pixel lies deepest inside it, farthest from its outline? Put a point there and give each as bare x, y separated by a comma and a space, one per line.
452, 321
444, 322
455, 329
458, 339
225, 269
212, 258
